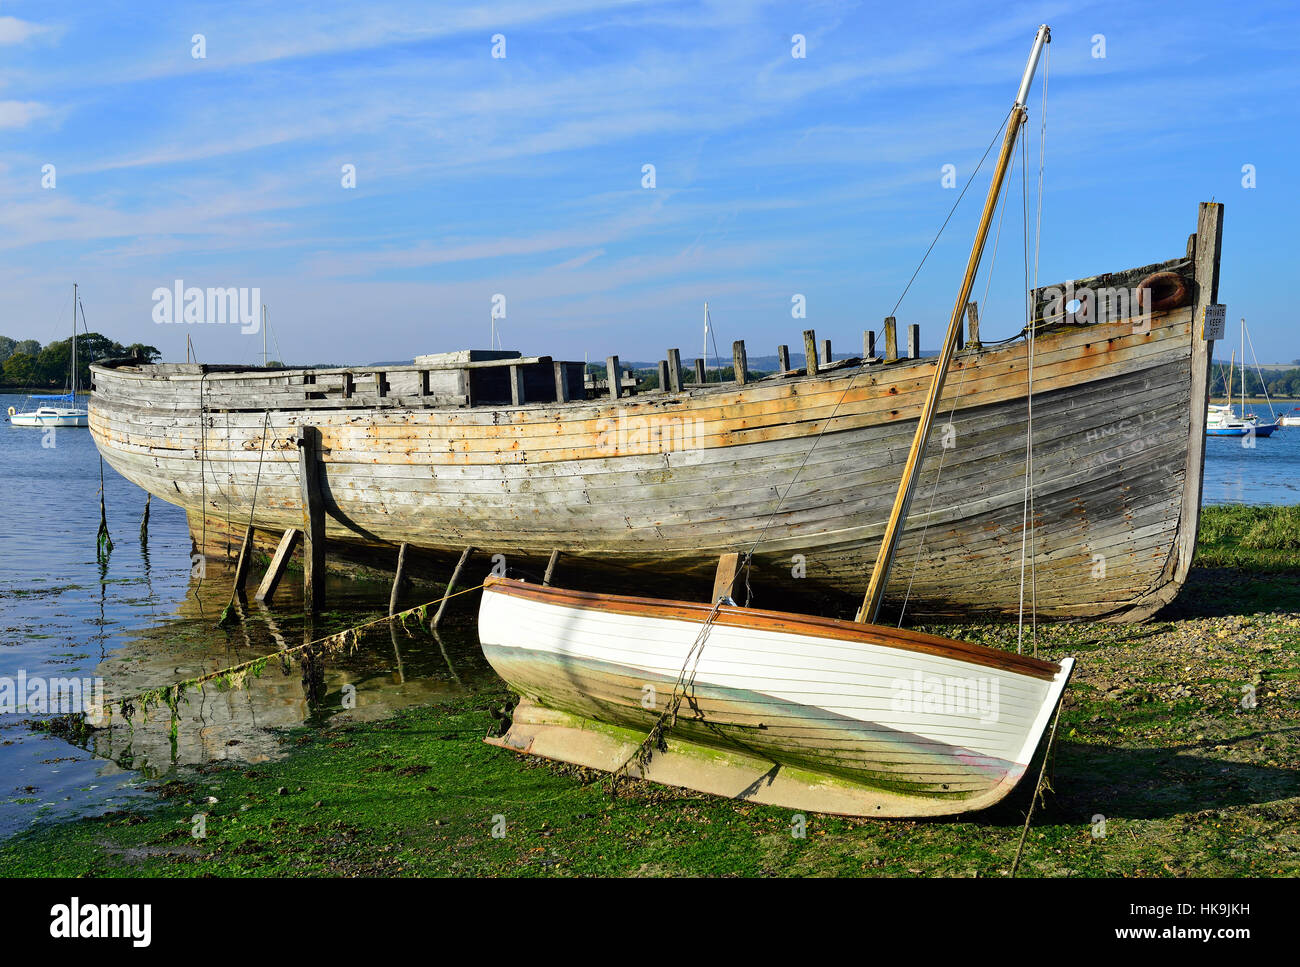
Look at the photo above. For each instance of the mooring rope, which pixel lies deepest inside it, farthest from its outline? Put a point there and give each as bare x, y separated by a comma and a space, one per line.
1038, 786
103, 542
252, 509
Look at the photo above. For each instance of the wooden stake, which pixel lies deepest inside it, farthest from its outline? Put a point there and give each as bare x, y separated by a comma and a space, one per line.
868, 345
517, 397
740, 362
825, 355
612, 376
891, 339
245, 558
451, 586
725, 576
783, 358
973, 324
914, 340
397, 579
699, 372
271, 579
313, 518
663, 376
561, 383
675, 370
550, 569
810, 352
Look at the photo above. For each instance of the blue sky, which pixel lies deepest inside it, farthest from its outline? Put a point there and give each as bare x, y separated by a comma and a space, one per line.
522, 175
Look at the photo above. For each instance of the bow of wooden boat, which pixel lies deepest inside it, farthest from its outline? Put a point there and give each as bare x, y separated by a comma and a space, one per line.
792, 710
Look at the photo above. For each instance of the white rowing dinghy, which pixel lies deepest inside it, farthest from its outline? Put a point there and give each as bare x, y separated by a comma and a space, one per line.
788, 709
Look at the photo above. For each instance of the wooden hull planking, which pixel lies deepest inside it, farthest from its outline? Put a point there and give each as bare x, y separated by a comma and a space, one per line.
671, 480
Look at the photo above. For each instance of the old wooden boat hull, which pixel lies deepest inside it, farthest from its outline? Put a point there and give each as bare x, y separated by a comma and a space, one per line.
668, 481
803, 712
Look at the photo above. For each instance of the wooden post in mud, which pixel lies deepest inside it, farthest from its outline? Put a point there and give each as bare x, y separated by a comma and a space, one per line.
810, 352
739, 362
271, 579
612, 377
891, 339
913, 341
675, 370
245, 558
783, 358
725, 576
397, 579
313, 519
451, 587
550, 569
973, 325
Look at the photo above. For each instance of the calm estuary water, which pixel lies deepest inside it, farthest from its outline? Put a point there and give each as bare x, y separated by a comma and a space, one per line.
1268, 473
143, 620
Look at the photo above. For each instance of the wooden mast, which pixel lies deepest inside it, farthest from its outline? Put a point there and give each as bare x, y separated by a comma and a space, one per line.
898, 515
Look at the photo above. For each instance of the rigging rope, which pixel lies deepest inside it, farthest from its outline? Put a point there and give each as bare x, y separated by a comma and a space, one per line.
1031, 298
686, 676
943, 452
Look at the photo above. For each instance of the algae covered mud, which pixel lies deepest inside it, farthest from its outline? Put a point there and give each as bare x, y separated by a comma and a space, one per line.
1161, 769
145, 617
376, 764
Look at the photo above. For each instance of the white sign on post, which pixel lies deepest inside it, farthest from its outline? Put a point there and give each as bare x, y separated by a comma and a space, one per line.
1213, 320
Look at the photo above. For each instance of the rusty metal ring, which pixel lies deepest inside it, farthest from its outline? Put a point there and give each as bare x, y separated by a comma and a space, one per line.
1168, 291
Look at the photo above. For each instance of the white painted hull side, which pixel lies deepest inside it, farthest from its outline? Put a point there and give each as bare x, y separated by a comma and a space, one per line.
930, 733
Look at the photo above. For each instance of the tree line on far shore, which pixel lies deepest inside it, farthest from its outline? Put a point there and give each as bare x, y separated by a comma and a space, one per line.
26, 364
1285, 382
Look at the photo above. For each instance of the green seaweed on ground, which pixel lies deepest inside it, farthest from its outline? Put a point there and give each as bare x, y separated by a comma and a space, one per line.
1249, 538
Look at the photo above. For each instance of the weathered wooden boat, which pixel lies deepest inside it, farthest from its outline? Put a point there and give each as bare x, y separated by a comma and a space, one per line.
792, 710
506, 454
803, 712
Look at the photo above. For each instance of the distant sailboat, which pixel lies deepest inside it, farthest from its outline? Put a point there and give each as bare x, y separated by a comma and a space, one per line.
59, 409
1222, 419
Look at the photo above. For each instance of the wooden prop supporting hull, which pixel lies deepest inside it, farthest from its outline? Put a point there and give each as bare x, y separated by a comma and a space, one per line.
808, 713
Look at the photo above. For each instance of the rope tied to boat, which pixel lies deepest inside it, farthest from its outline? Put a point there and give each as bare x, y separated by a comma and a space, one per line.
252, 508
103, 542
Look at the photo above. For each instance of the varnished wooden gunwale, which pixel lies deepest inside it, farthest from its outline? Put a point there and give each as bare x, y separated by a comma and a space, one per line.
759, 619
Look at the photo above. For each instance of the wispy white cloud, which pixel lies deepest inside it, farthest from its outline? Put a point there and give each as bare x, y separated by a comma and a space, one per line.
19, 114
15, 31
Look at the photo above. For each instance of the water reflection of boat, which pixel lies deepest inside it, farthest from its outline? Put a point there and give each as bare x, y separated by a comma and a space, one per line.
392, 670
